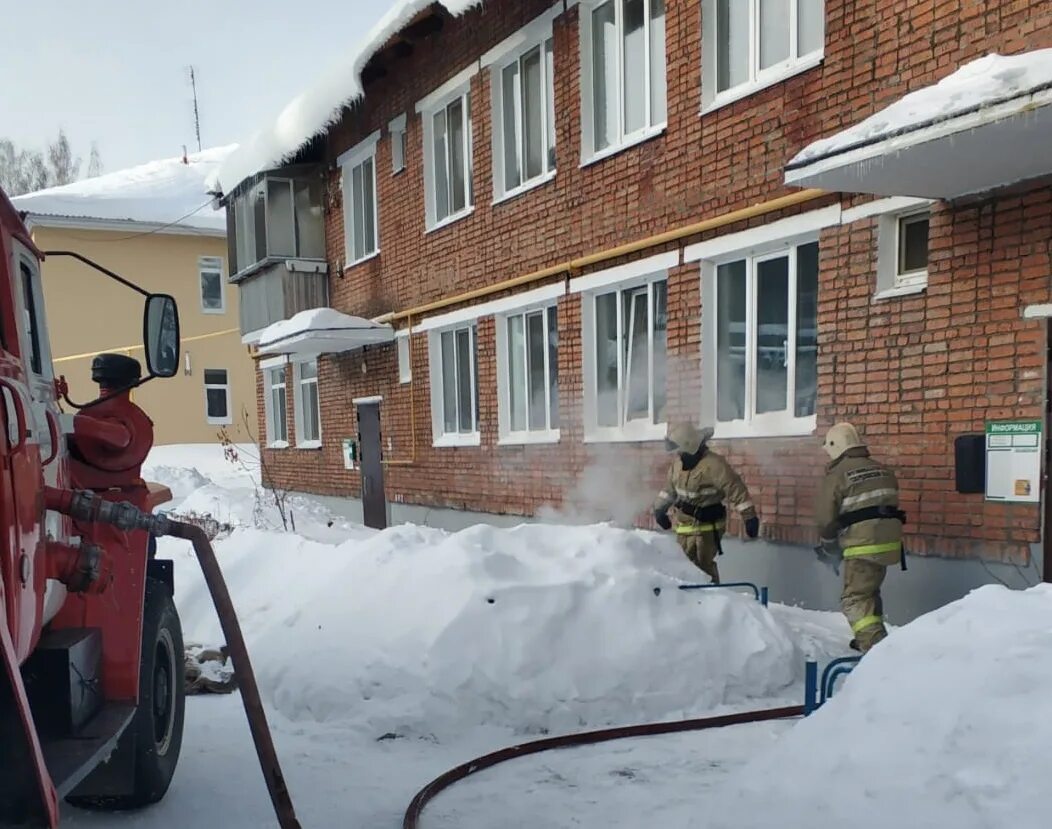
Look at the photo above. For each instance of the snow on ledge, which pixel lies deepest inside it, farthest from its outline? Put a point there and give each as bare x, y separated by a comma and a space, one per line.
322, 331
978, 84
318, 107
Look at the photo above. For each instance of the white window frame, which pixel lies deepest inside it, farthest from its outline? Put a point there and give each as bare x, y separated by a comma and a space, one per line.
404, 347
355, 158
758, 79
535, 35
211, 264
458, 87
399, 143
621, 141
274, 441
217, 421
768, 424
507, 437
297, 401
442, 438
624, 278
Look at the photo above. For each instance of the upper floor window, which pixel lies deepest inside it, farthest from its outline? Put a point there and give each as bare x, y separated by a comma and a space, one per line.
210, 277
524, 117
446, 114
765, 325
360, 213
623, 75
750, 44
279, 217
397, 128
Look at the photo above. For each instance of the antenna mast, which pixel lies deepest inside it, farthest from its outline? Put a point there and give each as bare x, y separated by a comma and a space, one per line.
197, 117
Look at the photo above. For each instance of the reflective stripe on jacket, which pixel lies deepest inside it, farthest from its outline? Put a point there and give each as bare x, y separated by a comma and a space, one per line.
711, 483
853, 482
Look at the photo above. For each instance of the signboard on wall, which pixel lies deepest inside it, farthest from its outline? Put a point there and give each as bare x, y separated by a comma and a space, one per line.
350, 454
1013, 460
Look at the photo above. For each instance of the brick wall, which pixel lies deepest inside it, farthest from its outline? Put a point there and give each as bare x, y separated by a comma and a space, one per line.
912, 372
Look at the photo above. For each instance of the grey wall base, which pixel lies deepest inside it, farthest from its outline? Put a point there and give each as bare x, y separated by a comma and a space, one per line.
792, 573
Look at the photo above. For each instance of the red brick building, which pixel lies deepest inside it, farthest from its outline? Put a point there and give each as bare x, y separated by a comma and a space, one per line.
571, 222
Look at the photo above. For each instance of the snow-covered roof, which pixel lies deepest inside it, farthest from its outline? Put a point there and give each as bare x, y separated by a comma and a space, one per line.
981, 83
322, 331
165, 192
318, 107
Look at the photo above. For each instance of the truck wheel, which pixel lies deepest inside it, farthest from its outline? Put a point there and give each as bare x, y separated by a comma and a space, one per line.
156, 732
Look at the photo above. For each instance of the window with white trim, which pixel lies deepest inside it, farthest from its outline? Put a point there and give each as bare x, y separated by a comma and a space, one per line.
405, 363
623, 73
627, 337
528, 369
307, 404
764, 320
217, 396
274, 406
749, 44
210, 277
902, 252
447, 159
524, 117
454, 387
360, 212
397, 128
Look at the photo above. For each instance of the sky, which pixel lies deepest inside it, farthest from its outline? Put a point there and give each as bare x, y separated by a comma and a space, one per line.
117, 71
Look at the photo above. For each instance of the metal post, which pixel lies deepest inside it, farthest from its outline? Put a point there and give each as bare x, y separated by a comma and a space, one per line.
810, 688
763, 596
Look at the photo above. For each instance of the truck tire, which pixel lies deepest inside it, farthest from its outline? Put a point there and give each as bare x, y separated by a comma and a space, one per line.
155, 735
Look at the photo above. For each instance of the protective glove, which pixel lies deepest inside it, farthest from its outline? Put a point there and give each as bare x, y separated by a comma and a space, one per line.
662, 519
752, 527
829, 554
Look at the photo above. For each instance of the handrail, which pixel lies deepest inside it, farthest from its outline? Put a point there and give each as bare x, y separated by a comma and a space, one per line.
817, 694
759, 592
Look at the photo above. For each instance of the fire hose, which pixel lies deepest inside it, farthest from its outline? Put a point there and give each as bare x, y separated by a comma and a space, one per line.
444, 781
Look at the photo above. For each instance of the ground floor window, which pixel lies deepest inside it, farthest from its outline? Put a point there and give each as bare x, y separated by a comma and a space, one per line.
274, 409
307, 405
528, 374
629, 349
454, 387
217, 396
765, 322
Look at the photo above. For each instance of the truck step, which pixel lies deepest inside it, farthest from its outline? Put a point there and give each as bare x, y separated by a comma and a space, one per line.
70, 759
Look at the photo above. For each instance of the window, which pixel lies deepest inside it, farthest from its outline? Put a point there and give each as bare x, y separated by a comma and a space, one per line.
210, 274
397, 130
275, 410
307, 405
528, 375
217, 396
622, 73
765, 325
749, 44
32, 318
455, 385
628, 339
359, 201
524, 122
447, 148
902, 253
405, 363
277, 218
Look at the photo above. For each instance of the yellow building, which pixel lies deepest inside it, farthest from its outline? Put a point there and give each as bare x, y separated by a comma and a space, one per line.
156, 226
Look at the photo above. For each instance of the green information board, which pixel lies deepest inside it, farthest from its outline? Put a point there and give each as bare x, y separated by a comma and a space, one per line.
1013, 460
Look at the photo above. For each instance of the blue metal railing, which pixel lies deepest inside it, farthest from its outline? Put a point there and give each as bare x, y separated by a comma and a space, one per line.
817, 693
759, 592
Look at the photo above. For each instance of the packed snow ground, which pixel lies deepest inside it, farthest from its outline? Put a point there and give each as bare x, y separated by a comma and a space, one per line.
386, 658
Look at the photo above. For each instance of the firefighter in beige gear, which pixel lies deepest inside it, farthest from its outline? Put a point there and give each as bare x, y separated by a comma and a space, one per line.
699, 481
860, 523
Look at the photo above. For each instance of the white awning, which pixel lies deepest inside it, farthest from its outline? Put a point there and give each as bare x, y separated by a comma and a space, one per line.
322, 331
983, 128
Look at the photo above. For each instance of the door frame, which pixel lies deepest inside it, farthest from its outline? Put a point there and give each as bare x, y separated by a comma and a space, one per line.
359, 404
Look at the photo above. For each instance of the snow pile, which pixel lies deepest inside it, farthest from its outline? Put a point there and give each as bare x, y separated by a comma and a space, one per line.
983, 82
323, 326
416, 630
310, 112
946, 723
165, 192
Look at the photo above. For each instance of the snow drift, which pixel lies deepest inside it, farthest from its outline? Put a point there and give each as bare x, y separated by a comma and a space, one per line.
419, 631
946, 723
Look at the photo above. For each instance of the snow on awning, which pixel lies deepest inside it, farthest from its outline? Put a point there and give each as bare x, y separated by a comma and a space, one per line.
984, 127
322, 331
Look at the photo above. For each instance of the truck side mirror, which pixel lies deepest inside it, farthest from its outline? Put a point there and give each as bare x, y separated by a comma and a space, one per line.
160, 330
